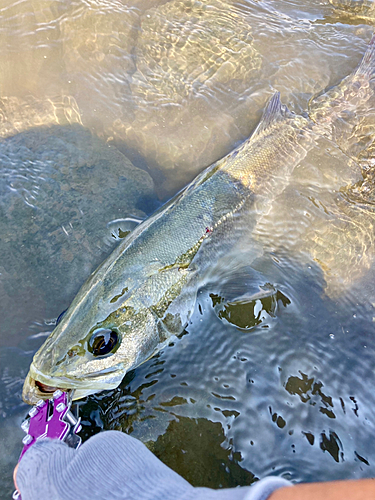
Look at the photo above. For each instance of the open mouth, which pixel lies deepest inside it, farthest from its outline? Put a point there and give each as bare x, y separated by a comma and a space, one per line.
45, 389
33, 390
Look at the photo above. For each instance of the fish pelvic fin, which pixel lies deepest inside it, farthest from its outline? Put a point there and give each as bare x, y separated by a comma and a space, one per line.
366, 67
274, 112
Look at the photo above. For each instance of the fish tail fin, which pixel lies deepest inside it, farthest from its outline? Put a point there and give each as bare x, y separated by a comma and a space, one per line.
341, 109
329, 103
366, 67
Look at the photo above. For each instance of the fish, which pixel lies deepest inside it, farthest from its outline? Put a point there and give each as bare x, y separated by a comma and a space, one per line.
144, 293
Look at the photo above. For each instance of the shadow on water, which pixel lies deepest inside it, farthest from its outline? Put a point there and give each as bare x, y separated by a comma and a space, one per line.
214, 465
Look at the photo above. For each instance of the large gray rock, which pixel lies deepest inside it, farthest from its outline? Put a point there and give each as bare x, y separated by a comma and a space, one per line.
59, 188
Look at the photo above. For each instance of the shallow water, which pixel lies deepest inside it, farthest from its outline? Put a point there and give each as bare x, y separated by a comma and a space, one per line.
86, 88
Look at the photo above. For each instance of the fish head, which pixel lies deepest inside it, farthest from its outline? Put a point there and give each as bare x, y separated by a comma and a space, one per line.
88, 354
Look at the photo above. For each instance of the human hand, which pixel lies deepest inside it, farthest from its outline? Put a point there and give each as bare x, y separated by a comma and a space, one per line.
109, 465
114, 465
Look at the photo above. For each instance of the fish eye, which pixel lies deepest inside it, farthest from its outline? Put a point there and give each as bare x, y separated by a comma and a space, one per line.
102, 341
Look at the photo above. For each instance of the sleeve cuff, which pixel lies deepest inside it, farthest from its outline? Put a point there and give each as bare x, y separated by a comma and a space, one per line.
262, 489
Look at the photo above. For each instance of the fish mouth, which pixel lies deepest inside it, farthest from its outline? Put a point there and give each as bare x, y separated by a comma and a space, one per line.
38, 386
45, 389
34, 390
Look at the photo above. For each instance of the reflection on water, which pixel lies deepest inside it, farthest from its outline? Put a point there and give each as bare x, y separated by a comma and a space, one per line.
274, 374
18, 115
247, 311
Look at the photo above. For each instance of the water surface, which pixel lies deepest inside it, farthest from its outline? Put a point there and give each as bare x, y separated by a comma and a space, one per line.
93, 91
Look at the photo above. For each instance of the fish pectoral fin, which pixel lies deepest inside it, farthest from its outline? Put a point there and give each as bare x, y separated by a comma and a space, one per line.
250, 310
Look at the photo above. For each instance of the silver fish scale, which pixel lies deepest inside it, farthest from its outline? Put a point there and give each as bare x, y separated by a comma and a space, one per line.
193, 216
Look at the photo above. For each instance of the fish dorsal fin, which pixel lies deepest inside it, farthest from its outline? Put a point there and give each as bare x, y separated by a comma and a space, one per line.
273, 113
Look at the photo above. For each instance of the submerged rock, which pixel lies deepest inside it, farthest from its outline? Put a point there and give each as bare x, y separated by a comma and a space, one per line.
59, 187
197, 448
359, 8
189, 56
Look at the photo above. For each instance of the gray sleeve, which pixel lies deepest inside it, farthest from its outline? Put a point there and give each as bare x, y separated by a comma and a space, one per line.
113, 465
